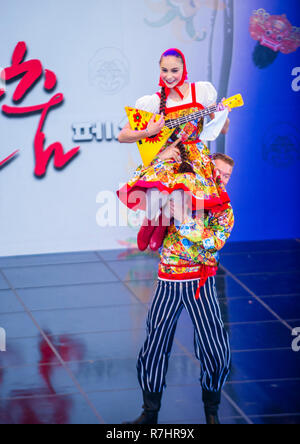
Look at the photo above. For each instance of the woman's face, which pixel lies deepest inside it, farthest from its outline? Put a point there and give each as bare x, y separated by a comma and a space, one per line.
171, 70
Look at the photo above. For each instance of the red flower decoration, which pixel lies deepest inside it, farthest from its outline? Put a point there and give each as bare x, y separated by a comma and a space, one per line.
137, 117
152, 139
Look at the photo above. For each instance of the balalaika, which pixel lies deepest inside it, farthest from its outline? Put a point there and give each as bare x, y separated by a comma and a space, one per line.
151, 146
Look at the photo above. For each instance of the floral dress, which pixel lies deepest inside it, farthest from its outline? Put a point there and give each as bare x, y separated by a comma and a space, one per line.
205, 187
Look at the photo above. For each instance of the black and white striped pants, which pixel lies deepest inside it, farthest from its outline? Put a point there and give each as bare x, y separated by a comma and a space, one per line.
211, 339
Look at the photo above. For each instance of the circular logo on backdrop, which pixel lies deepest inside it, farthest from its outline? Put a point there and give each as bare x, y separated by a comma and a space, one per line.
281, 145
109, 70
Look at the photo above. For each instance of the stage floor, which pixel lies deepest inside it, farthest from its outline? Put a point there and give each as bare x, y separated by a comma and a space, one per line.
75, 322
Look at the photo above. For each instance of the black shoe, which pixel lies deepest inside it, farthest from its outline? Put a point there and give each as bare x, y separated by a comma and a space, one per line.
152, 402
211, 406
212, 419
145, 418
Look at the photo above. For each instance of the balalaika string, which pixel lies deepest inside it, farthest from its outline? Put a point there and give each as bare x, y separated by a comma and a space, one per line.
173, 123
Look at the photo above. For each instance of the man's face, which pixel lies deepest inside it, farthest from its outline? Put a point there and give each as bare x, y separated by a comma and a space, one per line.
225, 170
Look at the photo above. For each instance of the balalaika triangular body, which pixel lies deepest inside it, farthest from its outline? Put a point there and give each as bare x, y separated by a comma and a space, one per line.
150, 147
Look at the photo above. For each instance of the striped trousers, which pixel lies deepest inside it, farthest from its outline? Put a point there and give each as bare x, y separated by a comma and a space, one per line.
211, 340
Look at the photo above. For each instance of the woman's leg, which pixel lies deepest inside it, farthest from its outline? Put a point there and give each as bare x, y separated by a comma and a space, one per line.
178, 206
155, 200
159, 203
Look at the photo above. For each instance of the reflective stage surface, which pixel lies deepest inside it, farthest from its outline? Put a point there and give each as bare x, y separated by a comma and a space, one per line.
75, 323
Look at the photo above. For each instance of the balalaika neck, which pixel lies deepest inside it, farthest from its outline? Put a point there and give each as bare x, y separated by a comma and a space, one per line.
174, 123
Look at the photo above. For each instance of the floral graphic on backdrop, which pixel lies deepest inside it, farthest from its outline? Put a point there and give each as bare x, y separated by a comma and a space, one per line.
274, 34
183, 15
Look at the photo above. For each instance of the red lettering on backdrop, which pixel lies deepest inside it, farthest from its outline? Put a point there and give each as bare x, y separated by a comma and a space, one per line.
4, 161
32, 70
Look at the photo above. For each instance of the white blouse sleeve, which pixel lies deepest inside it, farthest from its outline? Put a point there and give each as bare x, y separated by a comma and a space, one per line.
206, 93
148, 103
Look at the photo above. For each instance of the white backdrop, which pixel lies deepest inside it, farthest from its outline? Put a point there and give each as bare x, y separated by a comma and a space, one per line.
105, 56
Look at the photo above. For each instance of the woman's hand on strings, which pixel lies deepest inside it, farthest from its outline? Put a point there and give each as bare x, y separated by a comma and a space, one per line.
155, 127
172, 152
222, 106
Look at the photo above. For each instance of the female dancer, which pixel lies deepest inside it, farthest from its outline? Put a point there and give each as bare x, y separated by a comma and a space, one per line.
189, 256
182, 166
